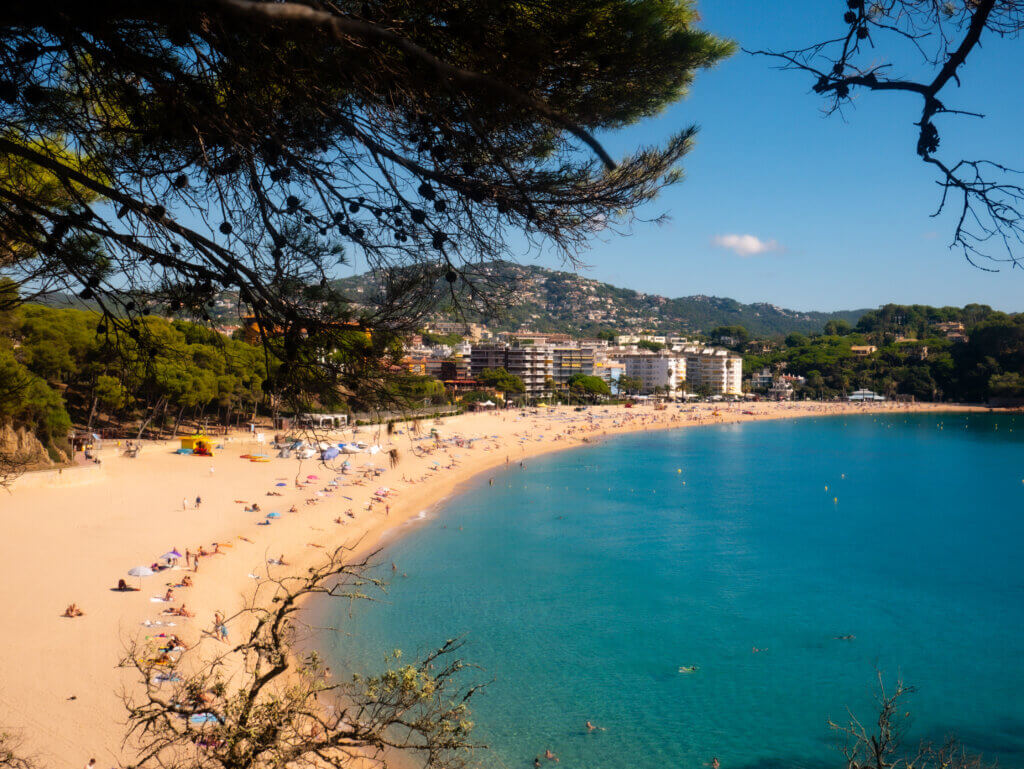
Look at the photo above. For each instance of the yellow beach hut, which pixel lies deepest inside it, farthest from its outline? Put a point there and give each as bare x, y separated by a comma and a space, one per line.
198, 444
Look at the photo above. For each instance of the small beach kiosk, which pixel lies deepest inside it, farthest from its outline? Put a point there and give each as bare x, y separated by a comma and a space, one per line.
199, 445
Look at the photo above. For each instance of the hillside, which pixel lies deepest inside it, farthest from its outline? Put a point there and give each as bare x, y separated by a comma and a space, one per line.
541, 299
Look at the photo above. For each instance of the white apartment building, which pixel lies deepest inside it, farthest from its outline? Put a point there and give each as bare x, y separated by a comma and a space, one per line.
625, 340
719, 370
664, 372
677, 342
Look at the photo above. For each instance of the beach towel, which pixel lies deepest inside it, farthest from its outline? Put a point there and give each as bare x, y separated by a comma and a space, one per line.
158, 599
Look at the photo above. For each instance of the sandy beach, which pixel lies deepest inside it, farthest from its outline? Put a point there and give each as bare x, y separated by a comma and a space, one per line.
70, 536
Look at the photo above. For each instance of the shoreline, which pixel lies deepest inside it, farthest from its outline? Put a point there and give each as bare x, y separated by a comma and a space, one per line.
72, 542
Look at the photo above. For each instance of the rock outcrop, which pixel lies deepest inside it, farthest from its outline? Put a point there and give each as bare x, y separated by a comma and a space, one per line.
21, 451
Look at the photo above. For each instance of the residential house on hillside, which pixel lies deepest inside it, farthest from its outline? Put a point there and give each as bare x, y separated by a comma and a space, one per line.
762, 380
954, 330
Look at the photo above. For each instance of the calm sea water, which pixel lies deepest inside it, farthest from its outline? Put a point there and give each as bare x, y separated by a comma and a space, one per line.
583, 582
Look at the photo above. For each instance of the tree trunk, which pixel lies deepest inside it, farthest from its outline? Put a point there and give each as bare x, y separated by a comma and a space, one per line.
152, 413
177, 422
92, 414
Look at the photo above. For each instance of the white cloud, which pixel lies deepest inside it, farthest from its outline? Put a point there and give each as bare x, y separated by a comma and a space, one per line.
746, 245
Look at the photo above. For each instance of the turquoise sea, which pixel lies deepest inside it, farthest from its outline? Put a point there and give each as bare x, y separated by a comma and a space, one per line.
584, 581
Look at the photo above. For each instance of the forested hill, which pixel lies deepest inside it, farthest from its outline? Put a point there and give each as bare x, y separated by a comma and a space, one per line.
550, 300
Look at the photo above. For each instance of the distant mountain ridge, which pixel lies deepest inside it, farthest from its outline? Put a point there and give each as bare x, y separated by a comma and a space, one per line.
543, 299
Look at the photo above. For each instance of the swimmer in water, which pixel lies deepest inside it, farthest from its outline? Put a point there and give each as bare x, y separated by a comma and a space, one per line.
550, 756
849, 637
591, 727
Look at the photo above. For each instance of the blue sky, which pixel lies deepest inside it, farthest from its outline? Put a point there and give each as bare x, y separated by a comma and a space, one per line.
845, 201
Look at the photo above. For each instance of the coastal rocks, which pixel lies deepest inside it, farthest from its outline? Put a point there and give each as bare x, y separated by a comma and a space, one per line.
20, 451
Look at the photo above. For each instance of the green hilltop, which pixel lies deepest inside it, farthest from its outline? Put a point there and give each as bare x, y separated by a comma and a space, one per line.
543, 299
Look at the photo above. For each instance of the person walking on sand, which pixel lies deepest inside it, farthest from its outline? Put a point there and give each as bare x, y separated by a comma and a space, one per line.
184, 503
219, 628
199, 501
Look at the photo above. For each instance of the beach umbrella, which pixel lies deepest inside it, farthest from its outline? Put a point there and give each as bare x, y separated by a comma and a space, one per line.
170, 555
273, 515
140, 572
